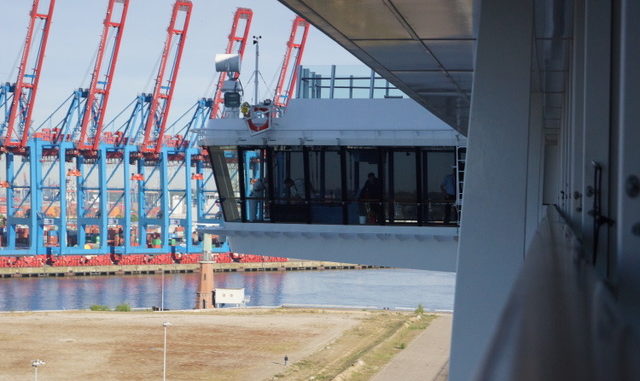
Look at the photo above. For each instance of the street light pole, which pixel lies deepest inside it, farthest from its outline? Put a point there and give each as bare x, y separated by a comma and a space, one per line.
162, 292
164, 351
35, 364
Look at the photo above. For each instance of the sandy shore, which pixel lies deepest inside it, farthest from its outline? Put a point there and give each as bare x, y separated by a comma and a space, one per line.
218, 345
128, 346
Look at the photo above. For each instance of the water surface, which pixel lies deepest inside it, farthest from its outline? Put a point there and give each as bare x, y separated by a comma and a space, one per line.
393, 288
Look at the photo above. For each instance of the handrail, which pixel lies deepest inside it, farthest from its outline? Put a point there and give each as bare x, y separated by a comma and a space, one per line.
562, 320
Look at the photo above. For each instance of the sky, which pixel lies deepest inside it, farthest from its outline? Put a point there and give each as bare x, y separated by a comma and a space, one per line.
76, 29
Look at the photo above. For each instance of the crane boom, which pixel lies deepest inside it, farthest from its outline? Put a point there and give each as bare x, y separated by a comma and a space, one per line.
163, 93
26, 86
290, 67
102, 76
237, 44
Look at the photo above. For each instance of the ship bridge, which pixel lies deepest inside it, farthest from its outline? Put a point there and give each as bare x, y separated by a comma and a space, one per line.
331, 174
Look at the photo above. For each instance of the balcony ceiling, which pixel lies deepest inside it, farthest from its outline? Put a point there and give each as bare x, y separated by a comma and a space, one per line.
426, 48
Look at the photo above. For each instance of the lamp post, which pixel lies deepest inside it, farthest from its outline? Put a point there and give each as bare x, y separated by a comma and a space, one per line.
35, 364
162, 291
164, 351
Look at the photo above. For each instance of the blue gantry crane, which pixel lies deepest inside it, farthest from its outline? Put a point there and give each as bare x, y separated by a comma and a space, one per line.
77, 185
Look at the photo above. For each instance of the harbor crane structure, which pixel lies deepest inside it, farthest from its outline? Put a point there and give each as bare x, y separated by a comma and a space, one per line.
291, 64
93, 115
139, 173
82, 190
16, 126
17, 101
160, 102
71, 155
80, 185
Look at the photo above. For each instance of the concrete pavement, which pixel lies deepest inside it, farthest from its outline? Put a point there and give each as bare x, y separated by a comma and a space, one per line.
426, 358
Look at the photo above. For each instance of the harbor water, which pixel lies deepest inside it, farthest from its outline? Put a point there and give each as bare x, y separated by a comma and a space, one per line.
379, 288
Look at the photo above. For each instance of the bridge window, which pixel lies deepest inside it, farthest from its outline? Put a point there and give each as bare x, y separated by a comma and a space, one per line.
226, 169
256, 187
403, 187
336, 185
364, 185
325, 186
289, 201
438, 206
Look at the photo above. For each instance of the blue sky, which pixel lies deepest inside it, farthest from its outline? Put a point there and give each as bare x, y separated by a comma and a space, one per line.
76, 29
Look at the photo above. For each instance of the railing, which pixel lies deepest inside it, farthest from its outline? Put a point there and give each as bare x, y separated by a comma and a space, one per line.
562, 321
344, 82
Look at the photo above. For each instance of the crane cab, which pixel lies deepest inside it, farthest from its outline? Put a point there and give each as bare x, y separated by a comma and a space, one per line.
379, 177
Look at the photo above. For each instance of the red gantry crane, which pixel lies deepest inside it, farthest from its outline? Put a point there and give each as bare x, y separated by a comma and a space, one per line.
18, 123
156, 122
292, 60
92, 122
237, 44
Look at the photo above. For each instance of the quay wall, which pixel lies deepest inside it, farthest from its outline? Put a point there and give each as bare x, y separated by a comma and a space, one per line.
57, 271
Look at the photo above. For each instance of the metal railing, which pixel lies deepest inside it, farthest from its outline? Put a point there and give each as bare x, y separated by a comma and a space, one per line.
562, 321
343, 82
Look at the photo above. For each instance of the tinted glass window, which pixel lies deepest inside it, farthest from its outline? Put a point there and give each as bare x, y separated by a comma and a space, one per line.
439, 186
404, 187
224, 163
255, 183
338, 185
364, 186
288, 177
325, 186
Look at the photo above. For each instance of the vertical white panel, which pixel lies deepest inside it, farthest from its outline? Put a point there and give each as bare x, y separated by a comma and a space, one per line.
492, 238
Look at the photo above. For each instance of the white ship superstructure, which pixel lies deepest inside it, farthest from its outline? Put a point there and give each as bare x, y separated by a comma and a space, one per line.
355, 179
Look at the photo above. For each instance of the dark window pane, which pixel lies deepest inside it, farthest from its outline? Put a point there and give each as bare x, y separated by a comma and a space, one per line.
405, 196
364, 187
439, 186
256, 189
224, 163
288, 186
324, 175
325, 187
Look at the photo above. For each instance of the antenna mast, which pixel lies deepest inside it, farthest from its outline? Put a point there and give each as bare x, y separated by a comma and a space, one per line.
256, 73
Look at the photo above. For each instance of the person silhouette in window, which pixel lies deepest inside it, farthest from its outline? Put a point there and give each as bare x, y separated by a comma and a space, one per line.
290, 191
371, 194
256, 199
448, 188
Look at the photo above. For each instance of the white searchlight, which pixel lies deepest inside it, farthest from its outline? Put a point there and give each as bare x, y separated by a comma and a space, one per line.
227, 63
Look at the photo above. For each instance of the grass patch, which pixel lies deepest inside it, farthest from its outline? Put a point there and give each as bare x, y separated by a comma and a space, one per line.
99, 307
123, 308
361, 351
379, 356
